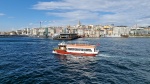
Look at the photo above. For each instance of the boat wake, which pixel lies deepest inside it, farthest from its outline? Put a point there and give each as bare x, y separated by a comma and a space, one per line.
105, 55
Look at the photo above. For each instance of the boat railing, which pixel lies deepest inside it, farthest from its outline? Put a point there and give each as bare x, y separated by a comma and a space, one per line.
79, 42
62, 43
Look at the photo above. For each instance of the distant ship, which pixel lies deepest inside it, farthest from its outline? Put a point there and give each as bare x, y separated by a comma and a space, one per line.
112, 36
125, 36
55, 36
65, 36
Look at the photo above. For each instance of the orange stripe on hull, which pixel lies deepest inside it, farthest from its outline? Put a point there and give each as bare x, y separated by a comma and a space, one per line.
63, 52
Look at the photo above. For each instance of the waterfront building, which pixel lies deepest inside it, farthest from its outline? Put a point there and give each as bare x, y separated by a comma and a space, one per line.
59, 30
140, 31
19, 32
86, 32
102, 30
72, 29
106, 28
120, 30
24, 31
51, 31
12, 33
97, 33
1, 33
28, 31
31, 32
80, 32
102, 33
35, 31
110, 32
90, 26
136, 31
147, 30
41, 31
55, 31
92, 33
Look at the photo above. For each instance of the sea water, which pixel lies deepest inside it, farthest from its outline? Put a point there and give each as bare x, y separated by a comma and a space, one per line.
25, 60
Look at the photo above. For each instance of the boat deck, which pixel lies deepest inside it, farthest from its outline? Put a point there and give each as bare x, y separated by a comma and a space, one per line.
81, 45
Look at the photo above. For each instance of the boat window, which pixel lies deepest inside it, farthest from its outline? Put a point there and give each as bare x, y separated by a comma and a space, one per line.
78, 49
89, 50
70, 48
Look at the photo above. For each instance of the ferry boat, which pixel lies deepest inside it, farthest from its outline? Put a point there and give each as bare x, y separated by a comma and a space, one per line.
77, 49
124, 36
65, 36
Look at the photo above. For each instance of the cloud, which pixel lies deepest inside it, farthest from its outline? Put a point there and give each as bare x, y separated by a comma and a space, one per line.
76, 15
2, 14
51, 5
120, 12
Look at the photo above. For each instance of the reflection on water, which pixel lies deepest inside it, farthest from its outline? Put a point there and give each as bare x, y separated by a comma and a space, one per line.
61, 57
75, 58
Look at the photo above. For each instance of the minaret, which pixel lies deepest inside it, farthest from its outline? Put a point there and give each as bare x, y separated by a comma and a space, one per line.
79, 23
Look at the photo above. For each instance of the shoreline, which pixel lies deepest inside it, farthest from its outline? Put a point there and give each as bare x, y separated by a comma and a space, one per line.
83, 37
14, 36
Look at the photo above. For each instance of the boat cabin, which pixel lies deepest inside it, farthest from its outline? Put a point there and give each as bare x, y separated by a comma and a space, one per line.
82, 48
62, 46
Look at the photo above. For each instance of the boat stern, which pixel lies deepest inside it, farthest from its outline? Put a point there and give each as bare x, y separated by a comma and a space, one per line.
97, 52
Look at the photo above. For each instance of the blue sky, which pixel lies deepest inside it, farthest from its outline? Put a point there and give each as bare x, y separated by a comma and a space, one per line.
18, 14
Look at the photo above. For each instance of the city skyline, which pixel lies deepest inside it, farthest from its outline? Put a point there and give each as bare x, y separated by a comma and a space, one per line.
18, 14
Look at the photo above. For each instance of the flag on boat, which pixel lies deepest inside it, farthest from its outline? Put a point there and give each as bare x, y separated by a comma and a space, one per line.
98, 44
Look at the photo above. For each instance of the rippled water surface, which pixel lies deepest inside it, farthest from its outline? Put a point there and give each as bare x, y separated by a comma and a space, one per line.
30, 61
